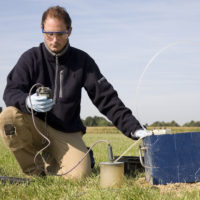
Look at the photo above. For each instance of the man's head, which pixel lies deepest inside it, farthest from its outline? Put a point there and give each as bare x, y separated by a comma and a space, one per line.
56, 26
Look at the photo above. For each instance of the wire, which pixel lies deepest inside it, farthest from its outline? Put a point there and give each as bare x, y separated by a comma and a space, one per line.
49, 142
128, 149
149, 63
33, 118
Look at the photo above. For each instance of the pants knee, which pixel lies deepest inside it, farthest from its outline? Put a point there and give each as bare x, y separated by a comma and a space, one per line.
9, 115
82, 171
12, 128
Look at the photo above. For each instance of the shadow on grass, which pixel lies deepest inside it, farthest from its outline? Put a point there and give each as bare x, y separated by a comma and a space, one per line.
134, 174
96, 170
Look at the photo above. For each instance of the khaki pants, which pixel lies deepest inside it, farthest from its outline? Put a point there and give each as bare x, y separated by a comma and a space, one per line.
65, 150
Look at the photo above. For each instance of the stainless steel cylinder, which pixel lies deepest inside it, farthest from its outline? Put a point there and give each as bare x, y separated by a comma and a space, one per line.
111, 174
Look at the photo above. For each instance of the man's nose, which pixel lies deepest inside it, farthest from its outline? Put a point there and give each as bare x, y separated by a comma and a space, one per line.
55, 38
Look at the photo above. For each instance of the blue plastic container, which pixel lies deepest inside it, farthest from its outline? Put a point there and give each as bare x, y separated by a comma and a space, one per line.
172, 158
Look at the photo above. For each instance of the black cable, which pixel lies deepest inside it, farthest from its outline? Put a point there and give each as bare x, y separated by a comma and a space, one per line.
14, 180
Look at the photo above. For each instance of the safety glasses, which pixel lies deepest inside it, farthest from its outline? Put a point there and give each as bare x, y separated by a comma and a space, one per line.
51, 34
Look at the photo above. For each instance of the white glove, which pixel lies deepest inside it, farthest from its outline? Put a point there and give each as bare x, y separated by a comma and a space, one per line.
140, 133
39, 103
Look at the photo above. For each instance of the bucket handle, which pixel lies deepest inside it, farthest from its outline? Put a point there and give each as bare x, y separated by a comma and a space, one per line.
142, 148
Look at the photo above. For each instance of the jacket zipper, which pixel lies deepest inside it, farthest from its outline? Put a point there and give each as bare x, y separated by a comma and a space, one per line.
56, 77
61, 84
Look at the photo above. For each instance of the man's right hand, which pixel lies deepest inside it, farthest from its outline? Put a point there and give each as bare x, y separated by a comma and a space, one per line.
39, 103
140, 133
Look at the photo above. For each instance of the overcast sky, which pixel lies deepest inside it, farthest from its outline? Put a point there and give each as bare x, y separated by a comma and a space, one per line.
122, 36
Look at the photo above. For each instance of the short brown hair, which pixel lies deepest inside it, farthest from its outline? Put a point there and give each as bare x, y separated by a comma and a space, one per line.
57, 12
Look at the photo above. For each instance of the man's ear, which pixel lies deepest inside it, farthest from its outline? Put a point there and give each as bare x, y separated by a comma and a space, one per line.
70, 31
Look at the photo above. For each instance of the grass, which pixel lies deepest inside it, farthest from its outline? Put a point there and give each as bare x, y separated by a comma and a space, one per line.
60, 189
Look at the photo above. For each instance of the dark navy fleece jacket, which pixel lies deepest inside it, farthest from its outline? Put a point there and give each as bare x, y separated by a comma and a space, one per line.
75, 70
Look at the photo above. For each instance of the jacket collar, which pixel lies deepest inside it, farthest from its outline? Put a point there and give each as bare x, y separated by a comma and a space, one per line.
58, 54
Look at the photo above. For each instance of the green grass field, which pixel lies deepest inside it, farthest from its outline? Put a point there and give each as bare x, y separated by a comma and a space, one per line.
52, 187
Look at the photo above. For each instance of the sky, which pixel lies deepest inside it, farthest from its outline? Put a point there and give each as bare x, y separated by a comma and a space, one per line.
147, 49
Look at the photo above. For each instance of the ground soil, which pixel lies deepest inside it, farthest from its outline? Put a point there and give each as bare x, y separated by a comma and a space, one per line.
172, 187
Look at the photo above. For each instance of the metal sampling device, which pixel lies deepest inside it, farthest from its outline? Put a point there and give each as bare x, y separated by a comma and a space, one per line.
111, 172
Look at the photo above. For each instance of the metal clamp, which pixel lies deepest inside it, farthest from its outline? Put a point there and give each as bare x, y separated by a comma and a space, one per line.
142, 148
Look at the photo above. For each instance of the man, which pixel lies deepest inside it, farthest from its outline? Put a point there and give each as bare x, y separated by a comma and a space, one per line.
64, 69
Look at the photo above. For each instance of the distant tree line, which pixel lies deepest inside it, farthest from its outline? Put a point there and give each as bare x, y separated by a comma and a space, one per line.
162, 123
96, 121
175, 124
101, 121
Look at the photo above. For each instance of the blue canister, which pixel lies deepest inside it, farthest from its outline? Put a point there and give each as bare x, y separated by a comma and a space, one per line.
172, 158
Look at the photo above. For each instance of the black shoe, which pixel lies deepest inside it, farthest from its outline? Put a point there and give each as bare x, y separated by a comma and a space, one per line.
42, 174
91, 158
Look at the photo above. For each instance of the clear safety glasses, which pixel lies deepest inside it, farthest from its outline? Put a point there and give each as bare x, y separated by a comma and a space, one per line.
51, 34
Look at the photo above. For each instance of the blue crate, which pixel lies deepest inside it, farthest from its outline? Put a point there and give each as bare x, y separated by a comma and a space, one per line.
172, 158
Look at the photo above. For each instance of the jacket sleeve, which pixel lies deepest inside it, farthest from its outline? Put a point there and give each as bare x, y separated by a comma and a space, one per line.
18, 84
106, 99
